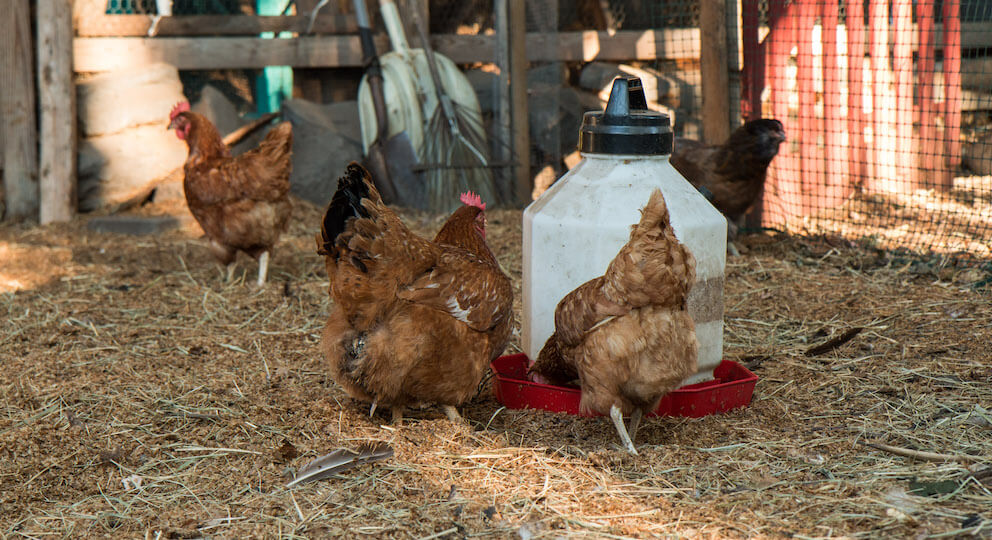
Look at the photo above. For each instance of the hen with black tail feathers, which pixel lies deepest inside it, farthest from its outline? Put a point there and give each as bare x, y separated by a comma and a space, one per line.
414, 320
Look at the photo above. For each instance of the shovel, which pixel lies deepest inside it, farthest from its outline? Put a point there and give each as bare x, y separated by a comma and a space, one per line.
391, 160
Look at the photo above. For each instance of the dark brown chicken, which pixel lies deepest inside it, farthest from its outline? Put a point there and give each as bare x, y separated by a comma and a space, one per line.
731, 175
241, 202
414, 321
626, 335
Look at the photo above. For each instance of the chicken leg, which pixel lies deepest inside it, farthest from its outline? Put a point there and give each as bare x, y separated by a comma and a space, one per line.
635, 421
263, 268
453, 414
230, 272
617, 417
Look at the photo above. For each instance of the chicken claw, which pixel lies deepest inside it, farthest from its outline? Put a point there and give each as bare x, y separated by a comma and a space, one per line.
617, 417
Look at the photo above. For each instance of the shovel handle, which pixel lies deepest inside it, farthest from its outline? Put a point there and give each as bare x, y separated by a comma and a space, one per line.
391, 18
364, 32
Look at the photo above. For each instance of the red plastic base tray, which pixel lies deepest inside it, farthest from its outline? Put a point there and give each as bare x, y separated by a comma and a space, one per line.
731, 388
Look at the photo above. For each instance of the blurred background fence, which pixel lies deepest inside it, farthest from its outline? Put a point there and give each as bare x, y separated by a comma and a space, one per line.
887, 104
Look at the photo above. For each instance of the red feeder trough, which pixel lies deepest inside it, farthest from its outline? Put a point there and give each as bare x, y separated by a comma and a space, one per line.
731, 388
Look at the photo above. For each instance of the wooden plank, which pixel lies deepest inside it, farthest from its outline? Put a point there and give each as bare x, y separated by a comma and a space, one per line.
857, 165
732, 22
927, 118
713, 66
57, 100
104, 54
902, 66
503, 121
519, 122
95, 24
19, 150
107, 53
952, 91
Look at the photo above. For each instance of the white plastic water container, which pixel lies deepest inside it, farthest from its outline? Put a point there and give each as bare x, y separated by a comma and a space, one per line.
573, 231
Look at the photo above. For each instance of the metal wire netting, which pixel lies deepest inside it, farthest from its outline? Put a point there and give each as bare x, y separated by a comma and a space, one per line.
887, 106
179, 7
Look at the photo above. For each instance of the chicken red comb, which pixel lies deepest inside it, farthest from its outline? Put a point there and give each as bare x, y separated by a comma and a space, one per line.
180, 107
473, 199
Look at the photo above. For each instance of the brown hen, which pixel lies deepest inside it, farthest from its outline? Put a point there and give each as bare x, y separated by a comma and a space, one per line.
414, 321
241, 202
731, 175
626, 335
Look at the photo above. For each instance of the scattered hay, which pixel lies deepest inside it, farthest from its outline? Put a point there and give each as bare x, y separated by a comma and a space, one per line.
956, 224
144, 397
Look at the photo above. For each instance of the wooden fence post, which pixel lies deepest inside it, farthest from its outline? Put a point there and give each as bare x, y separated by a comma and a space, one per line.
713, 68
19, 150
518, 98
57, 99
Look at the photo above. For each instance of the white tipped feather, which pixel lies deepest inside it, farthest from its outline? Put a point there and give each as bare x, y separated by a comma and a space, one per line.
341, 460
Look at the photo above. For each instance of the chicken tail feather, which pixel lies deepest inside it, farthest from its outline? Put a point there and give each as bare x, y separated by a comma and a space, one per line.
346, 203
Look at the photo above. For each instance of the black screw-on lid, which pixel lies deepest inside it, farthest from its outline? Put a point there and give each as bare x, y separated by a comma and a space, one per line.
626, 126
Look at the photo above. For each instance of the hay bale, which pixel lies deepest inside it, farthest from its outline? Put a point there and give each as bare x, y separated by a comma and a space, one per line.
118, 100
116, 168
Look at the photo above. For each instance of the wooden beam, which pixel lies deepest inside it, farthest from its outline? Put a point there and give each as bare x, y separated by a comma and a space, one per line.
19, 150
519, 116
107, 53
713, 65
95, 24
57, 100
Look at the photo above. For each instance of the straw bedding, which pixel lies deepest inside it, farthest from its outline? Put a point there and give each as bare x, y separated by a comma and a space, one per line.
144, 397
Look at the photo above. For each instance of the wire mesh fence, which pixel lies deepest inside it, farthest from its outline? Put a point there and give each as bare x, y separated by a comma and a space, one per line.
886, 104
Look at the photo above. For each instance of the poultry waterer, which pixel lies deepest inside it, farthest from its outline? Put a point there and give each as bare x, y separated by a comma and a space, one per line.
573, 231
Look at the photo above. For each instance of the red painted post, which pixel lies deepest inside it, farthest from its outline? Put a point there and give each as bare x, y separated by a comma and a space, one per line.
902, 56
881, 161
927, 138
927, 119
772, 209
855, 97
952, 90
837, 182
753, 75
810, 179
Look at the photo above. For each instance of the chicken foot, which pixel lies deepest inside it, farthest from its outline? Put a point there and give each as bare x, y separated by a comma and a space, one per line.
453, 415
263, 268
635, 421
617, 417
397, 414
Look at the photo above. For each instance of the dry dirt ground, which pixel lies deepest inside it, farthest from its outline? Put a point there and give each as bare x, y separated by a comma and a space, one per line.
143, 397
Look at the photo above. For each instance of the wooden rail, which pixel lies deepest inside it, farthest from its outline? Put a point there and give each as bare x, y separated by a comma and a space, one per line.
94, 54
94, 24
